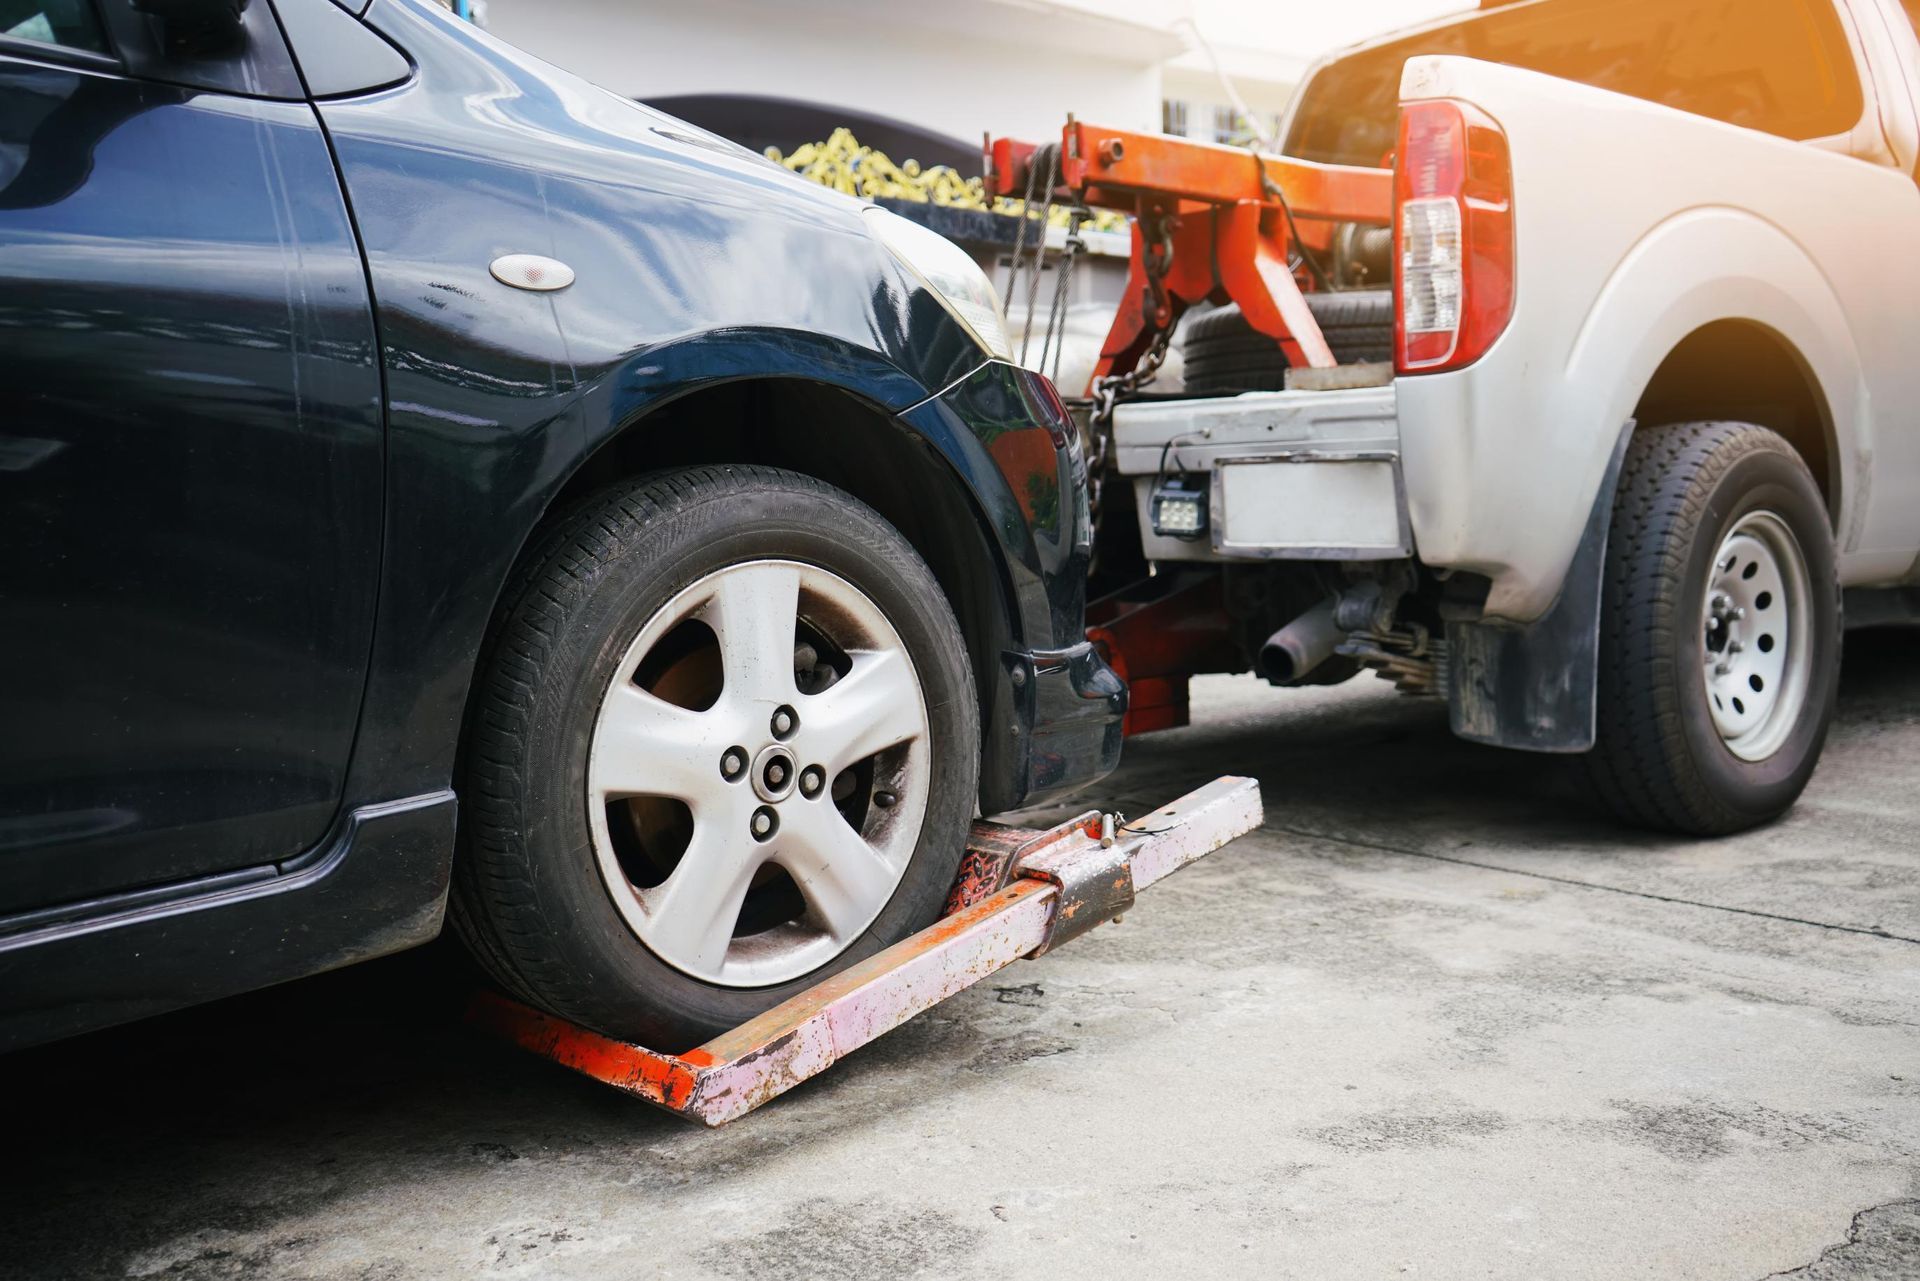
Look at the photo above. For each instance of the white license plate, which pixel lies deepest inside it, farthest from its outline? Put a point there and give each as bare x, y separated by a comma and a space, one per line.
1310, 507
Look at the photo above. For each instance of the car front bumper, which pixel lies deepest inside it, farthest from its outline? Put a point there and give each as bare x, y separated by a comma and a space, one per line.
1073, 706
1052, 707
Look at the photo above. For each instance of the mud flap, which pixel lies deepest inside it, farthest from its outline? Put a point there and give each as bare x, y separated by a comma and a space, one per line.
1533, 686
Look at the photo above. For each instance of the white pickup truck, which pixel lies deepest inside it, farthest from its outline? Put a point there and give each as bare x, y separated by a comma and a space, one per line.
1653, 303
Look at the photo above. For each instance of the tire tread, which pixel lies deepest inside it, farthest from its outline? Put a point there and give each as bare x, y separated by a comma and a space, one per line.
1222, 352
495, 906
1640, 767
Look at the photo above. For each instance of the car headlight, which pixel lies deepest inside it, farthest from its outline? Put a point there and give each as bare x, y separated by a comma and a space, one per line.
954, 278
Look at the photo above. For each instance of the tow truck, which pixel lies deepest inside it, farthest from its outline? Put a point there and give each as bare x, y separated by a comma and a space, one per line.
1220, 226
1558, 367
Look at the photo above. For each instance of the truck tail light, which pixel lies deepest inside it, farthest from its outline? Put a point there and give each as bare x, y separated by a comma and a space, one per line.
1453, 236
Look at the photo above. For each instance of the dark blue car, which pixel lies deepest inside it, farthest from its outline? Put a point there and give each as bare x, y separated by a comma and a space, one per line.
432, 487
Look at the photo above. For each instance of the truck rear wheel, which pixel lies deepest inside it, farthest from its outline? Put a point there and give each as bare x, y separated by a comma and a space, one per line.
1719, 631
724, 744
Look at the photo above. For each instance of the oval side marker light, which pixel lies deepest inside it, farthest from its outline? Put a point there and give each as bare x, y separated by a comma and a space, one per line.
532, 271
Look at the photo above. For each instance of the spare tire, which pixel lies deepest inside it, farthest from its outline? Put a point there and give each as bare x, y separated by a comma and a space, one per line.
1226, 354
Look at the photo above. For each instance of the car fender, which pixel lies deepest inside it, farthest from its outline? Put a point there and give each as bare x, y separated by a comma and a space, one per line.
633, 386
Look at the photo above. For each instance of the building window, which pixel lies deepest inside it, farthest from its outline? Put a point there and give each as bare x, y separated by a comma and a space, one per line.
1173, 117
1226, 125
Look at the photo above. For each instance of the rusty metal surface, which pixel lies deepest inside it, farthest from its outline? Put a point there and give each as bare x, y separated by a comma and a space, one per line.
663, 1079
984, 868
1094, 882
992, 850
1182, 831
738, 1071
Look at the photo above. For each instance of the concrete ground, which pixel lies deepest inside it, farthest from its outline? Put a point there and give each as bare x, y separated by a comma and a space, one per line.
1437, 1019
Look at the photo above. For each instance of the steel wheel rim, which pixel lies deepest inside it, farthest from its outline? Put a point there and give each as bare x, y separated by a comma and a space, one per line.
868, 723
1756, 627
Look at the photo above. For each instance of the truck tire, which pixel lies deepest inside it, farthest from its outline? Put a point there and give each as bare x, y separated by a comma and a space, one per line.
723, 743
1225, 354
1719, 631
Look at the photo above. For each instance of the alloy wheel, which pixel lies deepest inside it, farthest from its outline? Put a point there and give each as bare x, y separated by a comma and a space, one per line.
759, 771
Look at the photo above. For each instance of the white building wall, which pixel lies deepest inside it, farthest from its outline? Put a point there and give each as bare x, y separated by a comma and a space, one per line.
1201, 95
959, 67
959, 84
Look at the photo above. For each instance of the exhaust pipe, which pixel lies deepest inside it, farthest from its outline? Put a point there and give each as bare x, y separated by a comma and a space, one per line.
1301, 645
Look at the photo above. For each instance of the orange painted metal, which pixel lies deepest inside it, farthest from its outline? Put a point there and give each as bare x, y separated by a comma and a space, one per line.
1209, 224
1155, 645
738, 1071
1119, 160
664, 1079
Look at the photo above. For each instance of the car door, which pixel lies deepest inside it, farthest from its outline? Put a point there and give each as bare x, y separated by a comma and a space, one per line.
190, 455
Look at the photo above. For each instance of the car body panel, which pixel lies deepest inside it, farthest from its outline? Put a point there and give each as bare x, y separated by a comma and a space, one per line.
1021, 452
665, 230
190, 483
696, 265
376, 885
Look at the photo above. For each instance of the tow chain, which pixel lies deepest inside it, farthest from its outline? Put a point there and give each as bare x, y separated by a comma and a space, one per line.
1109, 391
1045, 160
1051, 153
1157, 257
1043, 170
1056, 335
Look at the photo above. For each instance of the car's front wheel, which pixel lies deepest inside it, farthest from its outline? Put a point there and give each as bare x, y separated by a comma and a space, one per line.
724, 744
1720, 630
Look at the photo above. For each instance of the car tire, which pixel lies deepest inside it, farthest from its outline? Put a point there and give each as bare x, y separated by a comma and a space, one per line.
1720, 631
1224, 353
763, 619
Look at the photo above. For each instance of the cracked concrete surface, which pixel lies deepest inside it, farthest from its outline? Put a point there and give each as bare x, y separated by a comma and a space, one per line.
1437, 1019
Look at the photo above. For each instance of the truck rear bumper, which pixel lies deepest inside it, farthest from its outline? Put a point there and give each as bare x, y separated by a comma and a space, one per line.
1287, 475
